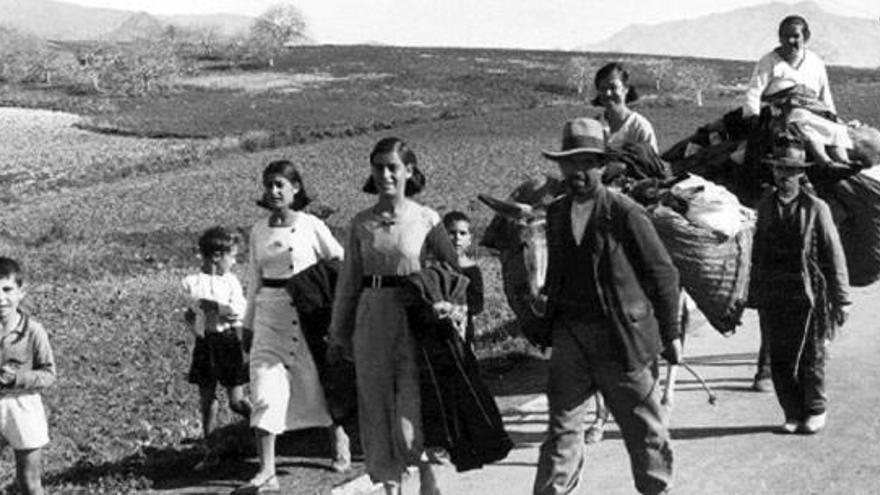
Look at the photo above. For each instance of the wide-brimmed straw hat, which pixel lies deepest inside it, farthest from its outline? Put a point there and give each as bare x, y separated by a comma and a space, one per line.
788, 153
580, 136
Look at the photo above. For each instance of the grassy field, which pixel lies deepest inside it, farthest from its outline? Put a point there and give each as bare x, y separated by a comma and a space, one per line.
105, 253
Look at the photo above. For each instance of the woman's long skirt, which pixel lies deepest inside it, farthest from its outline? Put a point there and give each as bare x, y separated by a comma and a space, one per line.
285, 389
388, 385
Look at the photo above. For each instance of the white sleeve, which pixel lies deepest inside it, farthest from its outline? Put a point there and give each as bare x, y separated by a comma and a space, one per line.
327, 245
254, 280
348, 291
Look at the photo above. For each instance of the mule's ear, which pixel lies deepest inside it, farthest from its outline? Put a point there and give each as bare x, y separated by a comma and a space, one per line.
508, 209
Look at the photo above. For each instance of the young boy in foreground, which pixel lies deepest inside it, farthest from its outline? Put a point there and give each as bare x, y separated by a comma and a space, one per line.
26, 367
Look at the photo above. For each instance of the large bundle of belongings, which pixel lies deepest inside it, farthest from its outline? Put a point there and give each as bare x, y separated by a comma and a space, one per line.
708, 234
729, 152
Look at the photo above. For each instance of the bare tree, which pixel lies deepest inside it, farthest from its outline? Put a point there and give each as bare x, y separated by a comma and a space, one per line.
659, 69
133, 68
696, 78
280, 25
579, 73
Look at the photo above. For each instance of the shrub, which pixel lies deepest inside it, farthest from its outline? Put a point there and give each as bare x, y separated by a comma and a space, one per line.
133, 68
579, 72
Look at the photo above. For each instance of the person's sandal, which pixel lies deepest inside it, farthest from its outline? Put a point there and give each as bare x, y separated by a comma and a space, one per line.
256, 485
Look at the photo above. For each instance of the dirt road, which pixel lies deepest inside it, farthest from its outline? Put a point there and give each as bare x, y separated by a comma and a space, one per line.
730, 448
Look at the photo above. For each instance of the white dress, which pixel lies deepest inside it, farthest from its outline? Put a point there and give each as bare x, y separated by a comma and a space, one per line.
285, 389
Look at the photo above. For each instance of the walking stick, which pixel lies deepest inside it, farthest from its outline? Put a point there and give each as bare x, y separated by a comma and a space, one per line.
669, 390
672, 375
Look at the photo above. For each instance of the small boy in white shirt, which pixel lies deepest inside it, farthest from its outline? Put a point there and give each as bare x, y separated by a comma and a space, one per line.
217, 304
26, 367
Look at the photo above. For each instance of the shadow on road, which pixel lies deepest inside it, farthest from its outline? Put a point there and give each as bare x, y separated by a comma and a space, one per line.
303, 453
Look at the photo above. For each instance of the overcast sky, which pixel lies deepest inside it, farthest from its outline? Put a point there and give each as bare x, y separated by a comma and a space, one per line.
551, 24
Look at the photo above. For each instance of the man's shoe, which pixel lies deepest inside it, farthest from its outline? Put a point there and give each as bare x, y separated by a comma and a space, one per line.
762, 384
814, 423
790, 426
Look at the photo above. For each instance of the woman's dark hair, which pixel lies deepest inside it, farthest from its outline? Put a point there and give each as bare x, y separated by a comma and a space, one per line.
415, 183
608, 70
286, 169
795, 20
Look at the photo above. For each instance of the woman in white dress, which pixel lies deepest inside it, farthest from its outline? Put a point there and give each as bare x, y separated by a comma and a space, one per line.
285, 389
791, 64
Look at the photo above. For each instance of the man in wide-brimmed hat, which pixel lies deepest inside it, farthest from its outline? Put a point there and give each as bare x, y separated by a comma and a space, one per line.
612, 303
799, 285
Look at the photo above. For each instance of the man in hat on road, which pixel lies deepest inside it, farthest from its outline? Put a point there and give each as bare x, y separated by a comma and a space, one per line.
799, 285
612, 300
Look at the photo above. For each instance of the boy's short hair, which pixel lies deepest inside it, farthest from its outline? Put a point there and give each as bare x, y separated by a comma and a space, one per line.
9, 268
454, 216
217, 240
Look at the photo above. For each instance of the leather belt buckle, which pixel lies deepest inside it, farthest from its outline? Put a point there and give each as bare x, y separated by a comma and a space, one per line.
376, 281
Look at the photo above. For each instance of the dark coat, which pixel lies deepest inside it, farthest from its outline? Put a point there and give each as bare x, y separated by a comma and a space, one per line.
458, 412
636, 282
312, 293
823, 263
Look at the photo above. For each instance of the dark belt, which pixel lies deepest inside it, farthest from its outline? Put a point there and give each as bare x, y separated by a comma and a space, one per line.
382, 281
274, 283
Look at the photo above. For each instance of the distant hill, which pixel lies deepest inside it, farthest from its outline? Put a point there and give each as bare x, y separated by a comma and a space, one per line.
51, 19
748, 33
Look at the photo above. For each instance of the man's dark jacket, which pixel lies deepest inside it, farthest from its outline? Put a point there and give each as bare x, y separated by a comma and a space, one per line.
636, 282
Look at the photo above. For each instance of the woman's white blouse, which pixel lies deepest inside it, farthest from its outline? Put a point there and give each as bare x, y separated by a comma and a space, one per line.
811, 73
282, 252
635, 129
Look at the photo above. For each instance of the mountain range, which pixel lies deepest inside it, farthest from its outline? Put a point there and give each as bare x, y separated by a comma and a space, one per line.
750, 32
740, 34
54, 20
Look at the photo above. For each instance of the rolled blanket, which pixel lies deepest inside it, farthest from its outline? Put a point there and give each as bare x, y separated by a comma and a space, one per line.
855, 205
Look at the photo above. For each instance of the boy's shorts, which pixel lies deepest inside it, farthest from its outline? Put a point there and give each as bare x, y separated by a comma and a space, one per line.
23, 421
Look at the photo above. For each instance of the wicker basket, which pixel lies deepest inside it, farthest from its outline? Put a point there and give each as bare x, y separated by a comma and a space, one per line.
713, 269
